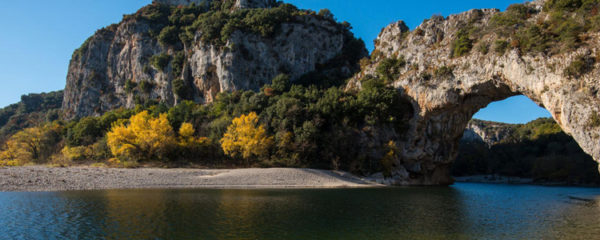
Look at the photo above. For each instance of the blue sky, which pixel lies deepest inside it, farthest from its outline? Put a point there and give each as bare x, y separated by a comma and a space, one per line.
39, 36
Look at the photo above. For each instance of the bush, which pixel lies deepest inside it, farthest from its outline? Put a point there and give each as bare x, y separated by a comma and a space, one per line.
85, 132
130, 86
483, 48
325, 13
178, 63
160, 61
500, 46
594, 120
444, 72
579, 67
168, 36
281, 83
389, 69
462, 45
182, 89
514, 17
146, 86
564, 5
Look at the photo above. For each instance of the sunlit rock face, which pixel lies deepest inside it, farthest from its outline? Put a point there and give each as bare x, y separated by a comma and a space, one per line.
488, 132
100, 70
444, 103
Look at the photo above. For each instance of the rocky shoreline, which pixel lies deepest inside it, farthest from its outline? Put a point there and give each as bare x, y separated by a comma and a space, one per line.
42, 178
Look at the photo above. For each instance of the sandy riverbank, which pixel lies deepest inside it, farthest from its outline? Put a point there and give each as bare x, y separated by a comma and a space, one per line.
41, 178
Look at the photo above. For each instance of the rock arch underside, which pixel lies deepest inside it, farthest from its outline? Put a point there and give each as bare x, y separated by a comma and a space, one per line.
445, 101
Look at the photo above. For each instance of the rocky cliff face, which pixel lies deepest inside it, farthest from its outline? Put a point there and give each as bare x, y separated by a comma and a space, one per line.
488, 132
452, 67
125, 63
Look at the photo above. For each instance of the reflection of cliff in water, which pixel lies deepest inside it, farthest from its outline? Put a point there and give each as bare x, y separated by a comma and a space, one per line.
463, 211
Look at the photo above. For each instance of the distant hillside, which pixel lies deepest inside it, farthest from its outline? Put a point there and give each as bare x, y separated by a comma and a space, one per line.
538, 150
32, 110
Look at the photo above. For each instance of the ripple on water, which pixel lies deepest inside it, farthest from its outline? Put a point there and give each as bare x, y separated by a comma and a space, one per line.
464, 211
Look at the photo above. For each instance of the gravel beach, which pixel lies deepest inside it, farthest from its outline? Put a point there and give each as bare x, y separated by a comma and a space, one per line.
41, 178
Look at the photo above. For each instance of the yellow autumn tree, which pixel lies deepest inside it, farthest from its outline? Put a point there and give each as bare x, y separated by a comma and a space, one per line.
387, 162
144, 138
246, 138
31, 145
191, 146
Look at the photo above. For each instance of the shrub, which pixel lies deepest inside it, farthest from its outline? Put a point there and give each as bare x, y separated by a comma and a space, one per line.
281, 83
130, 86
156, 13
181, 89
579, 67
160, 61
514, 16
169, 36
85, 132
146, 86
177, 63
190, 146
483, 48
563, 5
389, 69
325, 13
532, 39
594, 120
462, 45
444, 72
500, 46
389, 159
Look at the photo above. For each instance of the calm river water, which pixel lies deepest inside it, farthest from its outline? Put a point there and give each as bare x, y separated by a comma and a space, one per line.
463, 211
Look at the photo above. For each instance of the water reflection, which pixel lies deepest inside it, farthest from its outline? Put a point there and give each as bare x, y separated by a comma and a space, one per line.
465, 211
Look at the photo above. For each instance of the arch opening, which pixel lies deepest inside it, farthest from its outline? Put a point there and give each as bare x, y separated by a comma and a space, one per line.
515, 140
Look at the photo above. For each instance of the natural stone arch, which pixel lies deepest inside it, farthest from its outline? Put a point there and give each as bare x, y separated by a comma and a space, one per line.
445, 101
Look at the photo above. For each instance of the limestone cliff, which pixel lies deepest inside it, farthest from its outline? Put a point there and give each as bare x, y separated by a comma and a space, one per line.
166, 53
451, 67
486, 131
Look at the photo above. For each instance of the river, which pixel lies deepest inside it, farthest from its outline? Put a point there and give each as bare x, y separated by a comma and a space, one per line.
462, 211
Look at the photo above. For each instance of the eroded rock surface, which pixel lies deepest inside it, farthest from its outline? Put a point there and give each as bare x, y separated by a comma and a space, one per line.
120, 55
488, 132
445, 100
